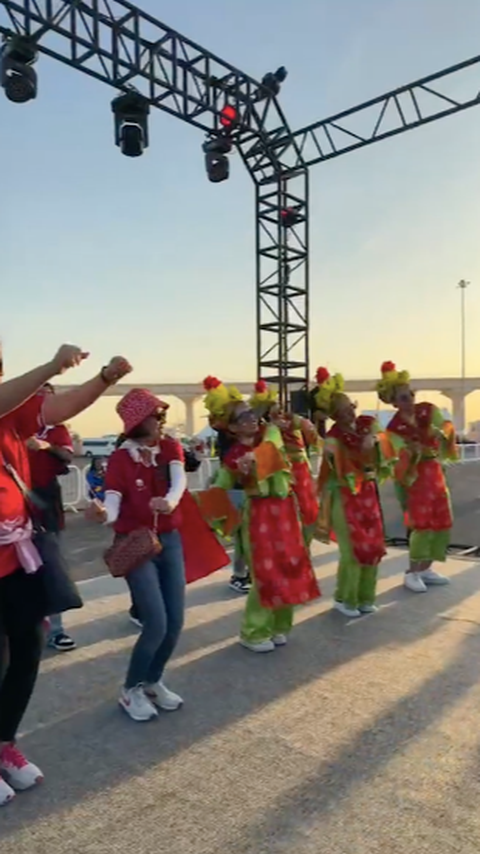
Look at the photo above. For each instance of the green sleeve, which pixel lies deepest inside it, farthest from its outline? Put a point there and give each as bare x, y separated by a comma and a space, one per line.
225, 478
278, 484
446, 431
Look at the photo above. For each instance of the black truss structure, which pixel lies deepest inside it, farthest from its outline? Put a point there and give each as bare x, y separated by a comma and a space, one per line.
119, 44
282, 282
426, 100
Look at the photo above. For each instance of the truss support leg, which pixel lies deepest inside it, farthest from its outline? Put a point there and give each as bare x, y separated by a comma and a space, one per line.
282, 271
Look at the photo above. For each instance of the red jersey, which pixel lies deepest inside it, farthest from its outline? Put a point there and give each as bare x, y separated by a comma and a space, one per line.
44, 466
137, 484
15, 429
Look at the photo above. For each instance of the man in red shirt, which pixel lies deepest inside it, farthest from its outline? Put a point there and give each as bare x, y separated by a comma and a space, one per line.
49, 452
23, 412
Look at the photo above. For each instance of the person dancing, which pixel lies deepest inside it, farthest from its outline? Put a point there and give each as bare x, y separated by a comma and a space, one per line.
353, 456
145, 487
299, 435
423, 441
280, 566
24, 411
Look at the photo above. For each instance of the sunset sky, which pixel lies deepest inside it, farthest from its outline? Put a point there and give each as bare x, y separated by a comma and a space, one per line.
145, 257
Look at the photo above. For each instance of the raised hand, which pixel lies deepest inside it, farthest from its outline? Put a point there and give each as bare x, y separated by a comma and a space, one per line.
68, 356
117, 368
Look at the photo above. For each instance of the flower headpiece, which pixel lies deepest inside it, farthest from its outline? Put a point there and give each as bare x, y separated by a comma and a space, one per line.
326, 389
220, 401
390, 381
263, 397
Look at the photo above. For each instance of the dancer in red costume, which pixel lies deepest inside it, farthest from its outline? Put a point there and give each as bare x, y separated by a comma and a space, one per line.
299, 436
145, 487
282, 574
423, 441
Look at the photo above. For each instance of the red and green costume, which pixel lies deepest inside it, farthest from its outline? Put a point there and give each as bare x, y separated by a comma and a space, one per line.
350, 508
422, 446
298, 436
280, 566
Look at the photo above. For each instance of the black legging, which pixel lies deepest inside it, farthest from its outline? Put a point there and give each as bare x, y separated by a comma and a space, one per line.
21, 642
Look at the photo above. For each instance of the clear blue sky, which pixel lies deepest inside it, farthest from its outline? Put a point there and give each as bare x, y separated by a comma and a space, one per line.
146, 258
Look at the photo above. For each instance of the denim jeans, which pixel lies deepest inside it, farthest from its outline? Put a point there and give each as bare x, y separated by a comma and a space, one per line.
158, 590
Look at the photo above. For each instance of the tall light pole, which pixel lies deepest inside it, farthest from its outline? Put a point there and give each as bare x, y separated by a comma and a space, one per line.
463, 285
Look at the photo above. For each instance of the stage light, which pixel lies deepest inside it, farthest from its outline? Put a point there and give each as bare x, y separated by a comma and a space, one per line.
216, 161
229, 117
131, 112
271, 83
17, 77
290, 217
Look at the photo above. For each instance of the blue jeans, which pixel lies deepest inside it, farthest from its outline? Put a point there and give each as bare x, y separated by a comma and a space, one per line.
158, 590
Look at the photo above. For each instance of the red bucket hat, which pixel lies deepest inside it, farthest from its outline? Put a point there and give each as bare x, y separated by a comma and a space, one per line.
136, 405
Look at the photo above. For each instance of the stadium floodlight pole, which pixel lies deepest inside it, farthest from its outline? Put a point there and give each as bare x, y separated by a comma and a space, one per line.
462, 287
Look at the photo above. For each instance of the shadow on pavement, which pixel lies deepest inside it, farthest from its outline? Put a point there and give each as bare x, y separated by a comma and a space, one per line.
92, 746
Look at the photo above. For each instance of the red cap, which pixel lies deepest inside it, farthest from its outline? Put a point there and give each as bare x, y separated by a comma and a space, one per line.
136, 405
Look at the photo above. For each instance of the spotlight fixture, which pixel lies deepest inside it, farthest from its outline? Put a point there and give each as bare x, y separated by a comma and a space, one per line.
17, 77
290, 217
271, 83
229, 118
216, 162
131, 112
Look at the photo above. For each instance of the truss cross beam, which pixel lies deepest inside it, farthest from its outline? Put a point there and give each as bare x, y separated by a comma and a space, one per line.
121, 45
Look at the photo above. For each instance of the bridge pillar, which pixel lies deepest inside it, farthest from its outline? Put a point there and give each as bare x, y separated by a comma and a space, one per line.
189, 400
458, 408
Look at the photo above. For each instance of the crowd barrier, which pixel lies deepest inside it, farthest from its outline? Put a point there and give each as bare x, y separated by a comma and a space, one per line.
75, 488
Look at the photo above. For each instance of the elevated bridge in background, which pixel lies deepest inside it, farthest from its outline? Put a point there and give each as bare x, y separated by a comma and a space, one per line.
453, 388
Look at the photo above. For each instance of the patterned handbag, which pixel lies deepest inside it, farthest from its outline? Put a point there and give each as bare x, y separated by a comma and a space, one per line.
129, 551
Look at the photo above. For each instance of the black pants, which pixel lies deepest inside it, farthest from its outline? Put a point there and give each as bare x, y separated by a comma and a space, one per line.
21, 642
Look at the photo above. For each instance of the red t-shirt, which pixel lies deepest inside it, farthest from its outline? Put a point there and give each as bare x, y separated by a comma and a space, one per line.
44, 466
15, 428
138, 483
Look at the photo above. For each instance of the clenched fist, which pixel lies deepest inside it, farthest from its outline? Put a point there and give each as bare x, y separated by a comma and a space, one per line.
117, 368
68, 356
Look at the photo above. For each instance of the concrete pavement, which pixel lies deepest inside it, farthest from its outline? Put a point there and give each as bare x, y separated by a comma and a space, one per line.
358, 737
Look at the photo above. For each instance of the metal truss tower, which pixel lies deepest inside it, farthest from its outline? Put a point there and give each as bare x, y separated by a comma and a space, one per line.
119, 44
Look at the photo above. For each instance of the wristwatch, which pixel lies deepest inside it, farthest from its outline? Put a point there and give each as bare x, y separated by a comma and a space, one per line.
104, 378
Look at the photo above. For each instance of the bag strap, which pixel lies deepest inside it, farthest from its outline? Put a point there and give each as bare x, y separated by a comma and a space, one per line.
27, 493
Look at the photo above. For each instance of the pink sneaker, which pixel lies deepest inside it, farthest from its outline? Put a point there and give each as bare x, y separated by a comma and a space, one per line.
20, 773
6, 793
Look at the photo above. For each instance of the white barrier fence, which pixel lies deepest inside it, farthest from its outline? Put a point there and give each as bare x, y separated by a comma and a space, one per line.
75, 487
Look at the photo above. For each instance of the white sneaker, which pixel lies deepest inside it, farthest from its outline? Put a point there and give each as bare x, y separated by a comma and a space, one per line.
413, 581
7, 794
429, 576
346, 611
279, 640
20, 773
136, 704
160, 696
368, 609
261, 646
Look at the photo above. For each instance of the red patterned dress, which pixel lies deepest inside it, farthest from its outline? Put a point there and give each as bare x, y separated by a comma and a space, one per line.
422, 445
298, 434
351, 509
282, 573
